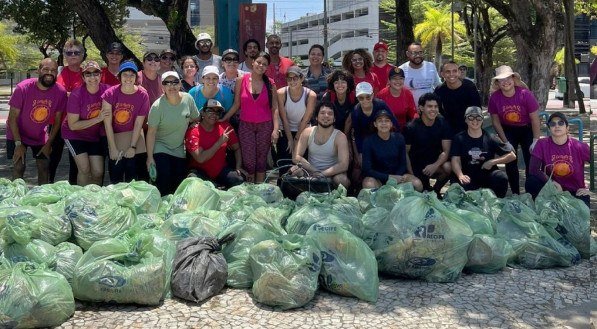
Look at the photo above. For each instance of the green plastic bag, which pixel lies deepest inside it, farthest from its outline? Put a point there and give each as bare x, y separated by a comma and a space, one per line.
478, 222
48, 193
481, 201
268, 192
12, 189
386, 196
236, 252
348, 265
191, 194
144, 196
32, 297
487, 254
285, 271
240, 207
200, 222
533, 246
66, 257
271, 218
567, 215
44, 222
314, 212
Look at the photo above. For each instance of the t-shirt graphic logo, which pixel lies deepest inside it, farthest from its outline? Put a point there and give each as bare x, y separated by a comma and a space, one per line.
41, 110
512, 114
476, 155
93, 110
123, 113
562, 169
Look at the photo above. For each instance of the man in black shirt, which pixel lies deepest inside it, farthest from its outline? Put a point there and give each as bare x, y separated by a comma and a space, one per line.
428, 140
455, 96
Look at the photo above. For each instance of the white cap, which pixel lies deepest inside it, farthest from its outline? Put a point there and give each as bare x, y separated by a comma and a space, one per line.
204, 36
170, 74
210, 69
364, 88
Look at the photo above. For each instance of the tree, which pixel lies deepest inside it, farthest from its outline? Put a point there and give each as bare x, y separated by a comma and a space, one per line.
573, 91
8, 47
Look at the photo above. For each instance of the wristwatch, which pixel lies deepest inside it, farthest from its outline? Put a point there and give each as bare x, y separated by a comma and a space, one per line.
18, 143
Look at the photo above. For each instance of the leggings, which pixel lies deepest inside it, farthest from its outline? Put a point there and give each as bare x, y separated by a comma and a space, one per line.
255, 141
522, 136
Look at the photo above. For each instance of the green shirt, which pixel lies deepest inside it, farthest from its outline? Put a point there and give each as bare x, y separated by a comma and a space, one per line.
171, 122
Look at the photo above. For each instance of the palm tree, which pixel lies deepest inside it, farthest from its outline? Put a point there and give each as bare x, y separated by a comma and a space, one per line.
8, 49
437, 28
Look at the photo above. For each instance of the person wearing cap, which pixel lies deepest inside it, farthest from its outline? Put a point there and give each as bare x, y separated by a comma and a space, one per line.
167, 61
295, 107
251, 48
560, 157
358, 62
189, 67
82, 130
456, 96
129, 105
207, 143
420, 75
475, 155
114, 56
428, 140
340, 93
32, 104
380, 66
515, 117
399, 99
210, 88
231, 72
327, 149
384, 155
316, 73
168, 120
278, 64
205, 57
149, 78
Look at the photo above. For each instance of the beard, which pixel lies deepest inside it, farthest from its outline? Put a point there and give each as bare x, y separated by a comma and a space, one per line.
47, 80
325, 125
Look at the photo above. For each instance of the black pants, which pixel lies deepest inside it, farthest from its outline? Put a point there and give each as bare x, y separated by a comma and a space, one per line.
496, 180
56, 156
170, 170
282, 153
534, 184
227, 177
124, 171
522, 136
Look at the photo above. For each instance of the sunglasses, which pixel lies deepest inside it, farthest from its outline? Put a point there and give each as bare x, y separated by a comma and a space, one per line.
293, 78
211, 112
362, 98
164, 58
152, 58
229, 60
474, 118
92, 74
204, 43
170, 83
556, 123
72, 53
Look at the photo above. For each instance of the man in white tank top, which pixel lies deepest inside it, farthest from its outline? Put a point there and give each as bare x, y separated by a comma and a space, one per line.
327, 149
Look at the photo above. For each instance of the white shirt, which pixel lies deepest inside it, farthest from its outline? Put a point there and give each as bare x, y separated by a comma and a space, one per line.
422, 80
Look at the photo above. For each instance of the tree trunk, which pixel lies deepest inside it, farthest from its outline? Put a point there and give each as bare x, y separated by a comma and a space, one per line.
438, 52
573, 88
404, 30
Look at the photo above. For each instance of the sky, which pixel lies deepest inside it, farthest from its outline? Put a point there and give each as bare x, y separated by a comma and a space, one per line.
289, 10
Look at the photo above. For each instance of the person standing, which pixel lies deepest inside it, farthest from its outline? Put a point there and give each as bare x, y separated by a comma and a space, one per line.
167, 123
316, 73
399, 99
420, 75
32, 104
149, 78
380, 66
358, 62
251, 48
456, 95
475, 155
205, 57
110, 72
231, 72
279, 64
515, 117
189, 72
167, 61
340, 94
211, 88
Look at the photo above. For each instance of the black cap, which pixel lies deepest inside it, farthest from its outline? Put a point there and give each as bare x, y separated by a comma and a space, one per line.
560, 115
115, 46
383, 113
395, 71
168, 51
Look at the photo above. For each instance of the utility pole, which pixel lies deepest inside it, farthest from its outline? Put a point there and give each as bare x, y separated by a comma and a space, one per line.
290, 44
325, 31
452, 14
274, 28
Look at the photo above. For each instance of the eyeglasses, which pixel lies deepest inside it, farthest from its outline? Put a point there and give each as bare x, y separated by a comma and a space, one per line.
362, 98
152, 58
204, 43
167, 58
72, 53
229, 60
170, 83
474, 118
92, 74
556, 123
357, 60
293, 78
417, 53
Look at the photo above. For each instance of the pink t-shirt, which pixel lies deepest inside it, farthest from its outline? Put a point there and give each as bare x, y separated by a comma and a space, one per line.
153, 87
515, 110
87, 106
254, 110
37, 107
565, 161
277, 72
126, 108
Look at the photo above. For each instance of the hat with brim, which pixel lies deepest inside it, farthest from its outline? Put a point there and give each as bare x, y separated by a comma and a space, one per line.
474, 111
505, 71
91, 66
128, 66
383, 113
115, 46
213, 104
395, 71
150, 53
560, 115
168, 51
168, 74
294, 70
201, 37
363, 88
210, 69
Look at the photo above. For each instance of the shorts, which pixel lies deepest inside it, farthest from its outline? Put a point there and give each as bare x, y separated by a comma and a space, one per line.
76, 147
10, 150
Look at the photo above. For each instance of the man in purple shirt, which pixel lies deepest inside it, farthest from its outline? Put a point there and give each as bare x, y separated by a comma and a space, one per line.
33, 103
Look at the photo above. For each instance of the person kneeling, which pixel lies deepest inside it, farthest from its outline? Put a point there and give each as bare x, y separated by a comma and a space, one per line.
384, 155
327, 149
474, 152
207, 142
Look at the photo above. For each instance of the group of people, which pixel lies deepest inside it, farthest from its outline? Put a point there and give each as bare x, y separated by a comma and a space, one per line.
221, 118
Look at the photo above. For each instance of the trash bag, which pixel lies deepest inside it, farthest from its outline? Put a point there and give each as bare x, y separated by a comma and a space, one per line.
478, 222
193, 193
12, 189
420, 241
236, 252
32, 296
348, 265
48, 193
285, 271
240, 207
271, 218
386, 196
533, 246
199, 270
66, 257
144, 196
567, 215
96, 215
481, 201
127, 269
200, 222
150, 221
314, 212
487, 254
44, 222
268, 192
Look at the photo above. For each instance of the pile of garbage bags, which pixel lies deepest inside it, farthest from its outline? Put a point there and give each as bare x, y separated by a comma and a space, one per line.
125, 243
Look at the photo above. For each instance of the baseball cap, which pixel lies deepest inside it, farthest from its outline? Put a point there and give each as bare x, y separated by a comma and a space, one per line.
229, 51
170, 74
202, 36
473, 110
168, 51
382, 113
560, 115
115, 46
128, 66
395, 71
210, 69
213, 104
151, 52
379, 45
294, 70
363, 88
91, 66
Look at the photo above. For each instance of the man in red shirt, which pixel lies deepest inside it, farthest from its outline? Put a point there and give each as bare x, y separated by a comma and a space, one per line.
380, 66
279, 64
110, 72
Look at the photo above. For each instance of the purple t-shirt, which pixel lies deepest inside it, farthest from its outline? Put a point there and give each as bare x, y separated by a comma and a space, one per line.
515, 110
126, 108
153, 87
87, 106
565, 161
37, 108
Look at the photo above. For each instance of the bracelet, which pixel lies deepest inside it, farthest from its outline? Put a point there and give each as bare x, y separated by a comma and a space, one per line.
133, 147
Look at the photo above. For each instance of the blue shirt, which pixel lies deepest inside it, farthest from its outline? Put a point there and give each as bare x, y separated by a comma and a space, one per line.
363, 124
224, 96
382, 158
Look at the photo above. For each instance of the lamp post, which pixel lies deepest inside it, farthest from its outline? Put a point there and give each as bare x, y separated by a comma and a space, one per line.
452, 25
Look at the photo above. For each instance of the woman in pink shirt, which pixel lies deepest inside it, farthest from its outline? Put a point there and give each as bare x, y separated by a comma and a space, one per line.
255, 94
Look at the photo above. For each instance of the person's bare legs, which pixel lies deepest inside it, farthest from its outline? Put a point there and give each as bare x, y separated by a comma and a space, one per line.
259, 177
43, 171
96, 163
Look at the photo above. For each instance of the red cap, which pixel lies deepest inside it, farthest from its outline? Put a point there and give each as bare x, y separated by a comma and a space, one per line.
380, 44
